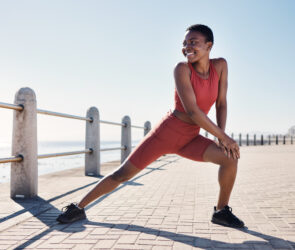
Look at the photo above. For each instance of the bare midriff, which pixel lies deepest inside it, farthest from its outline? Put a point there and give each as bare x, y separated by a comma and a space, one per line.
183, 116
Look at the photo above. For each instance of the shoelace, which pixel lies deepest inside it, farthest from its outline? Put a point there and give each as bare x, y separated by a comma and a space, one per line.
229, 208
66, 208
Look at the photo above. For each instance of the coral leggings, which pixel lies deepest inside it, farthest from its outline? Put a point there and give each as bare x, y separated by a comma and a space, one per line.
170, 136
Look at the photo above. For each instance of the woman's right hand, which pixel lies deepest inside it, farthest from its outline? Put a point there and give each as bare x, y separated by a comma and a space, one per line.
230, 147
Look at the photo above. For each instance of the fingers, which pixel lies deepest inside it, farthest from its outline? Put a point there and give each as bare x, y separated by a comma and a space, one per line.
230, 148
224, 149
231, 152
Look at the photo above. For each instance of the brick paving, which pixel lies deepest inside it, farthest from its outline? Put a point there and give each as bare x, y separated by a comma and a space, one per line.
166, 206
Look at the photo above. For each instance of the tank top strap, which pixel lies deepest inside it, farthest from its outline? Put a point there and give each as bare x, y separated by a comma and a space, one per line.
213, 70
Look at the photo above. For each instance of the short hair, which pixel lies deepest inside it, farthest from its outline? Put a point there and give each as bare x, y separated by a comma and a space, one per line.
204, 30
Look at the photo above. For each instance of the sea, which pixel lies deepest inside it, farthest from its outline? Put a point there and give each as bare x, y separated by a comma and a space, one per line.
55, 164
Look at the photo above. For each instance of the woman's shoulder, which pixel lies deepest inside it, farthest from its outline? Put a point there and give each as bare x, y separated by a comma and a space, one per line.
182, 68
219, 64
181, 65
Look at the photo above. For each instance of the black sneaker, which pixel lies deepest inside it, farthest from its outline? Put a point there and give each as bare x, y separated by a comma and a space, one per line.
71, 213
225, 217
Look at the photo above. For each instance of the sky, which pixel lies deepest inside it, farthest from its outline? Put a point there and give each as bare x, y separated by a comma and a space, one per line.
119, 56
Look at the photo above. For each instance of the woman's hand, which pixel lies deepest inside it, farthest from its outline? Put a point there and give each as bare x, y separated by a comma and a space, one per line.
230, 147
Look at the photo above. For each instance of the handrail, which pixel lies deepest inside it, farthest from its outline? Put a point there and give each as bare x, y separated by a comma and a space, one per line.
43, 156
52, 113
11, 106
134, 126
12, 159
107, 149
89, 150
113, 123
46, 112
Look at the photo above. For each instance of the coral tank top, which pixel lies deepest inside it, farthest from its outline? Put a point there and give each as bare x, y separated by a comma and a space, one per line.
206, 90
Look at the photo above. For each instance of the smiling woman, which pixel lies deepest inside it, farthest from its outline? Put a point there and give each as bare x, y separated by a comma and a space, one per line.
199, 83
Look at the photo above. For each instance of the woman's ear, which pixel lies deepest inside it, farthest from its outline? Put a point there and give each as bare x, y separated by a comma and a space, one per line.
210, 45
183, 52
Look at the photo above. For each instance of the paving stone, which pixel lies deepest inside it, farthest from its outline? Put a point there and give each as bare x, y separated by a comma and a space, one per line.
107, 244
124, 239
83, 246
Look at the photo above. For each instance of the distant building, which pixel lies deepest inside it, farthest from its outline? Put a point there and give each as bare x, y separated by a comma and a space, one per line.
291, 130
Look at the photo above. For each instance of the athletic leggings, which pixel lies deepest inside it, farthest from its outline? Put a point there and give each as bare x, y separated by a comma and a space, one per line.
170, 136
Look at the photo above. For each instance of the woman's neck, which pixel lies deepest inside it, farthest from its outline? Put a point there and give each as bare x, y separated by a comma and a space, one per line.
202, 66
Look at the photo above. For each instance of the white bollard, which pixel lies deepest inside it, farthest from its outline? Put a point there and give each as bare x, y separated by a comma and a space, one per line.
147, 127
126, 138
24, 174
92, 160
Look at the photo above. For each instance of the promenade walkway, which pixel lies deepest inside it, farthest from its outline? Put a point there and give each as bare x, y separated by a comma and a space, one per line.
166, 206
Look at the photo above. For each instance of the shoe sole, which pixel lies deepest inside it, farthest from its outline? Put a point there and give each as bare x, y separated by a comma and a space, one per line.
216, 221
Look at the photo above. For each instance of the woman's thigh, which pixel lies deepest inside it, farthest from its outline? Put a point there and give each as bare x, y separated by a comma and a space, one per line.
162, 139
195, 149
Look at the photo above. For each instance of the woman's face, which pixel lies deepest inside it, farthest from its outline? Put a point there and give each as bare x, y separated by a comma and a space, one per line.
195, 46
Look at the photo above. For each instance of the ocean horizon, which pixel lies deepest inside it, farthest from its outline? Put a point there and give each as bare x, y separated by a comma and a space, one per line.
50, 165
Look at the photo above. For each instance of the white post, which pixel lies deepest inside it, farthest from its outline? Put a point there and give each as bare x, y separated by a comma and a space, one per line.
24, 174
126, 138
147, 127
92, 160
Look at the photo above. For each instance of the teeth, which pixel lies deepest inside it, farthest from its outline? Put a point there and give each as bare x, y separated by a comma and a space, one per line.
189, 54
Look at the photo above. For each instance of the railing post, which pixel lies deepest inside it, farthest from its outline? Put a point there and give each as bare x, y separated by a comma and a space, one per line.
24, 174
269, 140
255, 140
277, 139
240, 139
261, 141
147, 127
291, 139
247, 139
284, 140
232, 135
126, 138
206, 134
92, 140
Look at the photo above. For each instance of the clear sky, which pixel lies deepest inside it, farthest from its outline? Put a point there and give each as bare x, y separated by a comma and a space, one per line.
119, 56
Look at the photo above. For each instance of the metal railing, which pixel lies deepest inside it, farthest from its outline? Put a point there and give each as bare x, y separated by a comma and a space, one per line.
46, 112
261, 140
24, 164
11, 159
11, 106
87, 151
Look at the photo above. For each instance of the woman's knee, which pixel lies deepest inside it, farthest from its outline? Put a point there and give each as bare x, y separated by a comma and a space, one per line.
216, 155
230, 162
124, 173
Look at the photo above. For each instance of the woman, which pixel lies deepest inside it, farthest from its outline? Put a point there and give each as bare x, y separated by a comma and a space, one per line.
199, 83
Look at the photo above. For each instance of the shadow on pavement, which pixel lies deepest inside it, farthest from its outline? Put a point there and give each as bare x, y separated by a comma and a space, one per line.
38, 205
200, 242
47, 213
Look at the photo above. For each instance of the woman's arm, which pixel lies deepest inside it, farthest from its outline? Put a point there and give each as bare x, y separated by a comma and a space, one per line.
221, 104
188, 99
